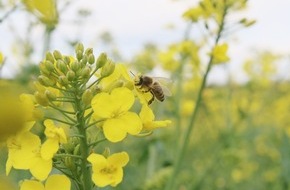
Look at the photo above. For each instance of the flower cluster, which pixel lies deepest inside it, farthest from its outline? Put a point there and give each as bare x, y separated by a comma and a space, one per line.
80, 102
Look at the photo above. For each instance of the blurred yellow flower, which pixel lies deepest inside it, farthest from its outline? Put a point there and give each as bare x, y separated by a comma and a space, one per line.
147, 116
219, 54
114, 109
54, 135
53, 182
1, 58
108, 171
45, 10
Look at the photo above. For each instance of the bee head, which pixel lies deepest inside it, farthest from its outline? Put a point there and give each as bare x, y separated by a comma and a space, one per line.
138, 80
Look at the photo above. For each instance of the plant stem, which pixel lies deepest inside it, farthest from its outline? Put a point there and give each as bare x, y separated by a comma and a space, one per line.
84, 147
185, 142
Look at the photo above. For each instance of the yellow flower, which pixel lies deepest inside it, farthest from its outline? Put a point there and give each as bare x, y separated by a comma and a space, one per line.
147, 117
22, 148
54, 135
28, 104
45, 10
53, 182
118, 78
41, 167
219, 54
108, 171
193, 14
114, 109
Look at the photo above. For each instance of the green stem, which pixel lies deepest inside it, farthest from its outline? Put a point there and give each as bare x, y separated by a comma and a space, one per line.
185, 142
84, 147
97, 142
61, 121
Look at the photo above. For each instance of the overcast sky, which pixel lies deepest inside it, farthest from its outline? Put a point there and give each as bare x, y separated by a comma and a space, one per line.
135, 22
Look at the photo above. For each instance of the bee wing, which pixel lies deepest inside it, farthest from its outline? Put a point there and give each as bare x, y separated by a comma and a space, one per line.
164, 83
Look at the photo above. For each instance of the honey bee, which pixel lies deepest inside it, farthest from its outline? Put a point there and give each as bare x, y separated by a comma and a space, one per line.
154, 85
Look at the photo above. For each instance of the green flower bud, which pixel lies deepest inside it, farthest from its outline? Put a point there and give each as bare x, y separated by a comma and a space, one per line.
106, 152
101, 61
86, 72
50, 95
76, 150
91, 59
108, 69
63, 80
84, 60
43, 69
79, 55
75, 66
69, 163
87, 97
49, 57
66, 59
89, 51
41, 99
79, 47
62, 66
70, 75
57, 55
49, 66
45, 81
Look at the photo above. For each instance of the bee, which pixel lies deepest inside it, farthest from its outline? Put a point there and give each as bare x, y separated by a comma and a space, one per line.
154, 85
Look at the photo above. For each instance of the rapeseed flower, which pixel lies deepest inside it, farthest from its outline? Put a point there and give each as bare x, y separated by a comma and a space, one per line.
114, 109
53, 182
108, 171
219, 54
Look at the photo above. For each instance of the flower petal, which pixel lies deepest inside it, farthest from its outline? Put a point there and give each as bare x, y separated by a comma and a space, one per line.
102, 106
98, 161
102, 179
49, 148
41, 168
146, 114
131, 122
31, 185
57, 182
118, 177
119, 159
114, 130
123, 98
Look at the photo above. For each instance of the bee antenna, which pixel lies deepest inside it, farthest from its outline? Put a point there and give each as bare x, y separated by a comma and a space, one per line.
132, 73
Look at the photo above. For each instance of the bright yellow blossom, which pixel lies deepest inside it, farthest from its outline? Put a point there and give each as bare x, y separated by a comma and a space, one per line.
53, 182
1, 58
219, 54
41, 167
54, 135
22, 148
114, 109
147, 117
108, 171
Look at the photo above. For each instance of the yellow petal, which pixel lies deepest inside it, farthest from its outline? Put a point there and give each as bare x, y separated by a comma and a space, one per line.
98, 161
118, 177
41, 168
102, 106
49, 148
119, 159
49, 128
57, 182
61, 135
114, 130
102, 180
123, 98
146, 114
130, 122
31, 185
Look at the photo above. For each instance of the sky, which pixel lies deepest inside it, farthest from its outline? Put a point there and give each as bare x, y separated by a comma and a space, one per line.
133, 23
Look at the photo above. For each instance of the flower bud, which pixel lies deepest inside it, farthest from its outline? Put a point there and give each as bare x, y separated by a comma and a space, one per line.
62, 66
57, 55
79, 47
45, 81
66, 60
91, 59
89, 51
108, 68
69, 163
43, 69
49, 66
106, 152
63, 80
70, 75
101, 61
76, 150
84, 60
41, 99
79, 55
50, 95
86, 72
49, 57
75, 65
87, 97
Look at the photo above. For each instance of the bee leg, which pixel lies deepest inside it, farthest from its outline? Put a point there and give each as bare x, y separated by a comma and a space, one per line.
152, 99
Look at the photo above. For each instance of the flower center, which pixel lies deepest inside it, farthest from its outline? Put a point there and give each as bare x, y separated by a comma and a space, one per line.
108, 170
